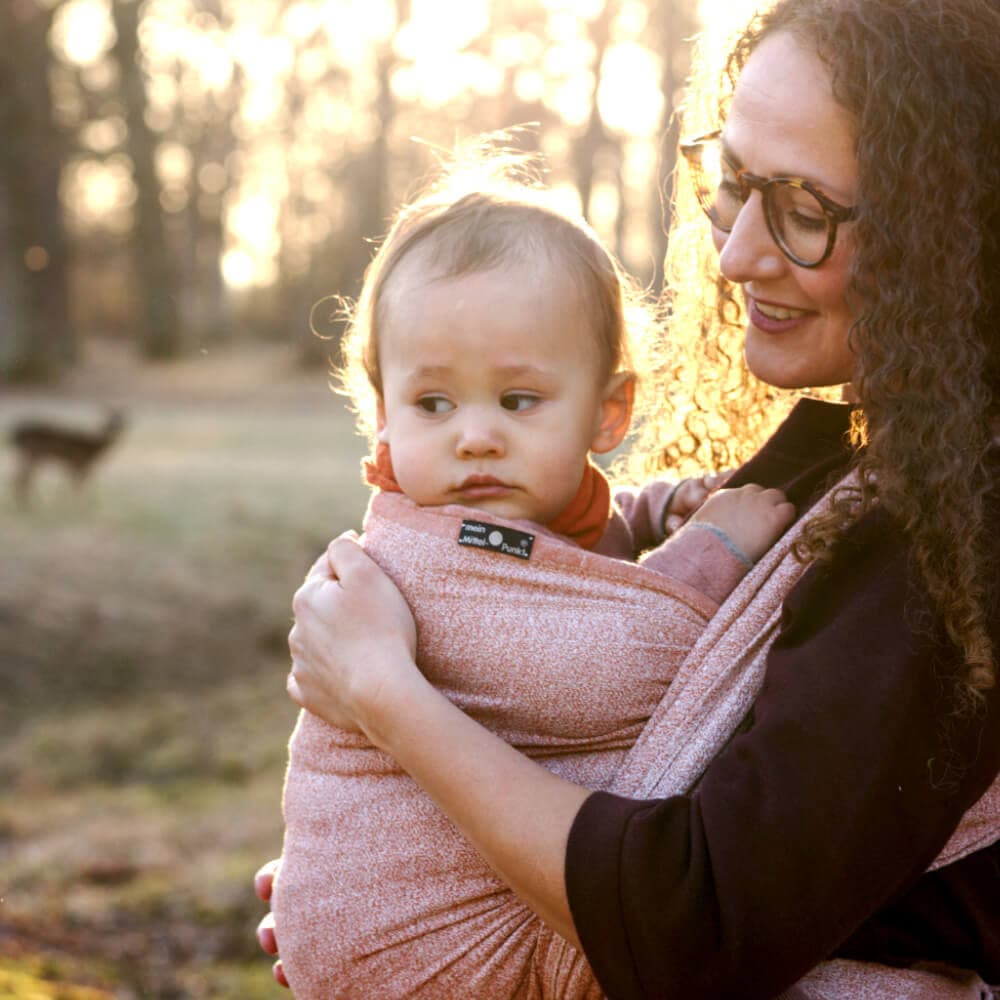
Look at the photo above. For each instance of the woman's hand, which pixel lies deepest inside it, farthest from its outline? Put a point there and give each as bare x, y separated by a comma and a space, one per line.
353, 647
263, 883
353, 639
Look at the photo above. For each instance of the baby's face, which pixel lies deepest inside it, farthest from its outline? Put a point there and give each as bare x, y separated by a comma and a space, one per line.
492, 389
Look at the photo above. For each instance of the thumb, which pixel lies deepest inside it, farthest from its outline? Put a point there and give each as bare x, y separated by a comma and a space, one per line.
345, 557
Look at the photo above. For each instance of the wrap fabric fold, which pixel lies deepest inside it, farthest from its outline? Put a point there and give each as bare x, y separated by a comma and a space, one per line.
371, 917
379, 895
717, 685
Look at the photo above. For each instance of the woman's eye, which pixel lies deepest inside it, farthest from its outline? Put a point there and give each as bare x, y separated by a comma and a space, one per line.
435, 404
805, 222
518, 400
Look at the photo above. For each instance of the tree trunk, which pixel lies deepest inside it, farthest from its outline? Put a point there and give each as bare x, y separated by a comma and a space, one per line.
155, 265
588, 146
676, 20
36, 337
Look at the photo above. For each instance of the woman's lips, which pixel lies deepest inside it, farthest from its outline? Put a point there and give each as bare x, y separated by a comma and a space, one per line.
773, 318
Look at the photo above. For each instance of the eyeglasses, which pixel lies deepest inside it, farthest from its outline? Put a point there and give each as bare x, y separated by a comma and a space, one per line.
800, 218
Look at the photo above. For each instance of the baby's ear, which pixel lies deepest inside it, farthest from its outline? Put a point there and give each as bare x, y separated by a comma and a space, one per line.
381, 432
615, 415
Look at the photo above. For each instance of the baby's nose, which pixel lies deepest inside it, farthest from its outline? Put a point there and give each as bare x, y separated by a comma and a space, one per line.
479, 436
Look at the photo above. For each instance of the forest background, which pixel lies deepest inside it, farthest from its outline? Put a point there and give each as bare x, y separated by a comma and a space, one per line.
180, 182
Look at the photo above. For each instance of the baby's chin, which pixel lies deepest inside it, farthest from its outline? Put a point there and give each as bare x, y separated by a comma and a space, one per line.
510, 507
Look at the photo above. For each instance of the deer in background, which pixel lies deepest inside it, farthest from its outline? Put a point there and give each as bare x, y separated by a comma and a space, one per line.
37, 441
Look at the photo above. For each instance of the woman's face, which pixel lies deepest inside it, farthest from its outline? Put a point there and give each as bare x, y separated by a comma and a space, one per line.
784, 122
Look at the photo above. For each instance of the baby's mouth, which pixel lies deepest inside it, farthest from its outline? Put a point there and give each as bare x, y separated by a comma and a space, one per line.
483, 486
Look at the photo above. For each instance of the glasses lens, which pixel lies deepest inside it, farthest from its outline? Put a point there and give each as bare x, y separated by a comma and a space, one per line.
795, 216
716, 184
800, 225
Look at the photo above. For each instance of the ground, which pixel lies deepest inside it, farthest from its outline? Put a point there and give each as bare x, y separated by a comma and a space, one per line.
143, 625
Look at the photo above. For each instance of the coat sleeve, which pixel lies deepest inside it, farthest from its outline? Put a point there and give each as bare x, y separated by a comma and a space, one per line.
848, 783
645, 510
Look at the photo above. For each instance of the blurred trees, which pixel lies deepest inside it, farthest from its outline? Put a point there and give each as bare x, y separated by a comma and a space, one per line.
176, 172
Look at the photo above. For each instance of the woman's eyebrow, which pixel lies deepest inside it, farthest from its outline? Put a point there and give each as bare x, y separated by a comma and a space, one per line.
734, 160
727, 152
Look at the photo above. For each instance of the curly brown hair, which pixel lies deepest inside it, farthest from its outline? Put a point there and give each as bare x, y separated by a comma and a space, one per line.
921, 81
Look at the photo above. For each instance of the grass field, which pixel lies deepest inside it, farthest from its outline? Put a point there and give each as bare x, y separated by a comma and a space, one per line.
143, 720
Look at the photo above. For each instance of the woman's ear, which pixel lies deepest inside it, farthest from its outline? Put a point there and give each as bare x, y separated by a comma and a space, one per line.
615, 414
381, 427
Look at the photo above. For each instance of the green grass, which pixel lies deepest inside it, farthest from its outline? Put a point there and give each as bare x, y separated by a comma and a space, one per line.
143, 723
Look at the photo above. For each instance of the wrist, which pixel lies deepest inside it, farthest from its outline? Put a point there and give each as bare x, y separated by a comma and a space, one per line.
726, 539
394, 693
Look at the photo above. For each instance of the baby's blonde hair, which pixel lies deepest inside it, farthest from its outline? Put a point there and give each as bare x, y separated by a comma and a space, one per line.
487, 210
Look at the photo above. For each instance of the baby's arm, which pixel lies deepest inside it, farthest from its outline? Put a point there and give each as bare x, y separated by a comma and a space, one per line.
723, 539
656, 511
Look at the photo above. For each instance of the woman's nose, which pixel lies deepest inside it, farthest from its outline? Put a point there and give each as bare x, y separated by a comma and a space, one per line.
748, 251
479, 437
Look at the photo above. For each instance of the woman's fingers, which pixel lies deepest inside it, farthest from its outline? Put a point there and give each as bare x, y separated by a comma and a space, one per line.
346, 560
263, 880
269, 943
265, 935
278, 971
352, 635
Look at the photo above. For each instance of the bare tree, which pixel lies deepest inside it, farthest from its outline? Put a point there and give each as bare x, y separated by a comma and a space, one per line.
36, 337
154, 262
595, 138
675, 21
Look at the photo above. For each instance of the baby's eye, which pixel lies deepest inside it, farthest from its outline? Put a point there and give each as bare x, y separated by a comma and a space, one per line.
435, 404
518, 400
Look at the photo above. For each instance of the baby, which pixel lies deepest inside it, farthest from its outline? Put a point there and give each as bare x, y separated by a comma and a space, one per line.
491, 347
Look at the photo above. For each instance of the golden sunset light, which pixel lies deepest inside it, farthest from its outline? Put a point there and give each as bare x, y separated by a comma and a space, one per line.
262, 112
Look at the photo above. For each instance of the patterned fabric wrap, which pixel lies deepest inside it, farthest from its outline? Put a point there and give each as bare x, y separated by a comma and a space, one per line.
380, 896
564, 655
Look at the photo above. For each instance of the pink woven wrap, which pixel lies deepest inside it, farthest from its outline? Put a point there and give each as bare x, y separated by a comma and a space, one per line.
379, 896
565, 655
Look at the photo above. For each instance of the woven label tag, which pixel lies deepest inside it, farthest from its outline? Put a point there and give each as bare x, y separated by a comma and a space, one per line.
509, 541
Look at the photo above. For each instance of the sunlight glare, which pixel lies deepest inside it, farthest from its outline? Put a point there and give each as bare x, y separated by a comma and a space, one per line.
302, 20
720, 19
629, 95
571, 98
254, 220
104, 134
587, 9
565, 197
173, 163
82, 31
437, 25
238, 269
433, 40
352, 26
529, 86
99, 193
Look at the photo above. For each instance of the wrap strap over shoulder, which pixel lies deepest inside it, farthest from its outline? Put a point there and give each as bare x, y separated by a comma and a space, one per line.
711, 694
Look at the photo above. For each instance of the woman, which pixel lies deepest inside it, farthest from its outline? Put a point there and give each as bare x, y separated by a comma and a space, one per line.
851, 181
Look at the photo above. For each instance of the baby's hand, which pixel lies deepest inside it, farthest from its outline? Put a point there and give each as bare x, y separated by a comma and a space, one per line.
688, 496
752, 517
